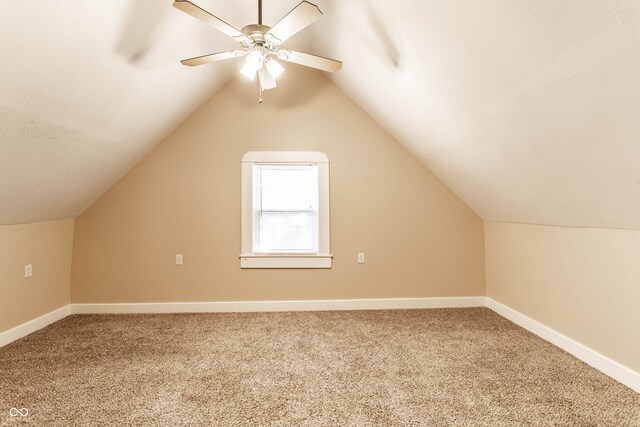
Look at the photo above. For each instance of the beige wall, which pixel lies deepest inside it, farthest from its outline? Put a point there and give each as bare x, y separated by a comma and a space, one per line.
419, 238
584, 283
45, 245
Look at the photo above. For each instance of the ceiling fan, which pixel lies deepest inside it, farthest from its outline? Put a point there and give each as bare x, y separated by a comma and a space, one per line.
262, 44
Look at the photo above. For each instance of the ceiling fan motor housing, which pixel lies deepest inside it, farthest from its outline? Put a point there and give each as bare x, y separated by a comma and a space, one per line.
257, 32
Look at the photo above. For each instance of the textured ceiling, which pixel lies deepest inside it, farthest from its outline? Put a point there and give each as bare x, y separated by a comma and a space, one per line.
528, 110
87, 88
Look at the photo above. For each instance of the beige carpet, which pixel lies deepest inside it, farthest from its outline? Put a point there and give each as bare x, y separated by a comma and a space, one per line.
446, 367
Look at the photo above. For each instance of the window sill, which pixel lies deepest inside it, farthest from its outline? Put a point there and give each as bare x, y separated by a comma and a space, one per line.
285, 261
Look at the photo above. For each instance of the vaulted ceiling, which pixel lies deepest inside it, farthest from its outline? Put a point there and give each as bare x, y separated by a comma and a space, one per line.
528, 110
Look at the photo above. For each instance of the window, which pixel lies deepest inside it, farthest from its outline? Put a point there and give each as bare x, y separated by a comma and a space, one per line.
285, 210
285, 204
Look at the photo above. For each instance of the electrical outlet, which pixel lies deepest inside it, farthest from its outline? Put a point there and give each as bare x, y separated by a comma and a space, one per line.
178, 259
28, 270
361, 258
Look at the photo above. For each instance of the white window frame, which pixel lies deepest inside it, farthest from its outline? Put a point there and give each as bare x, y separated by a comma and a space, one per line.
249, 259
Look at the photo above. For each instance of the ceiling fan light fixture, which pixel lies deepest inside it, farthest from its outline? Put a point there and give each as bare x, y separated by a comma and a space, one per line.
274, 68
248, 71
254, 62
267, 81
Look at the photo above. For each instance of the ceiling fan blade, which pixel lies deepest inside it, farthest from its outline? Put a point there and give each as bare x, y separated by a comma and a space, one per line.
213, 57
300, 17
201, 14
308, 60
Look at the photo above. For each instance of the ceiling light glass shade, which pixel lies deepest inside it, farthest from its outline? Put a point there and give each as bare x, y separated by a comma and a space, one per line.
274, 68
253, 63
266, 79
248, 71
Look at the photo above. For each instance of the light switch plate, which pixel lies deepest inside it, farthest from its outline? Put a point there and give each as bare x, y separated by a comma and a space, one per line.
28, 270
361, 258
178, 259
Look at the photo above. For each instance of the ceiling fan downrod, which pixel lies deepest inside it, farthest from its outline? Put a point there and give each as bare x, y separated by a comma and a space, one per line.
259, 12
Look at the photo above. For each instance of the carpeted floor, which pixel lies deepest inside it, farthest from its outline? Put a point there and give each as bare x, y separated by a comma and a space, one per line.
444, 367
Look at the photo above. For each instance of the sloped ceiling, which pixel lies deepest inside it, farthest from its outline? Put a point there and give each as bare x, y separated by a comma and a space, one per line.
88, 88
528, 110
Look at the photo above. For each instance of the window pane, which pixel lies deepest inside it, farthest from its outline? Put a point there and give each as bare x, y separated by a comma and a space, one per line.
287, 231
289, 188
286, 208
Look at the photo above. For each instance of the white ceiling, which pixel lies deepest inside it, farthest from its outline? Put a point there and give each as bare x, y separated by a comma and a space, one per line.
87, 89
528, 110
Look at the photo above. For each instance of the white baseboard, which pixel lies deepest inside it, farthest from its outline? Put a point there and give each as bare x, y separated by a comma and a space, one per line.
610, 367
20, 331
262, 306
